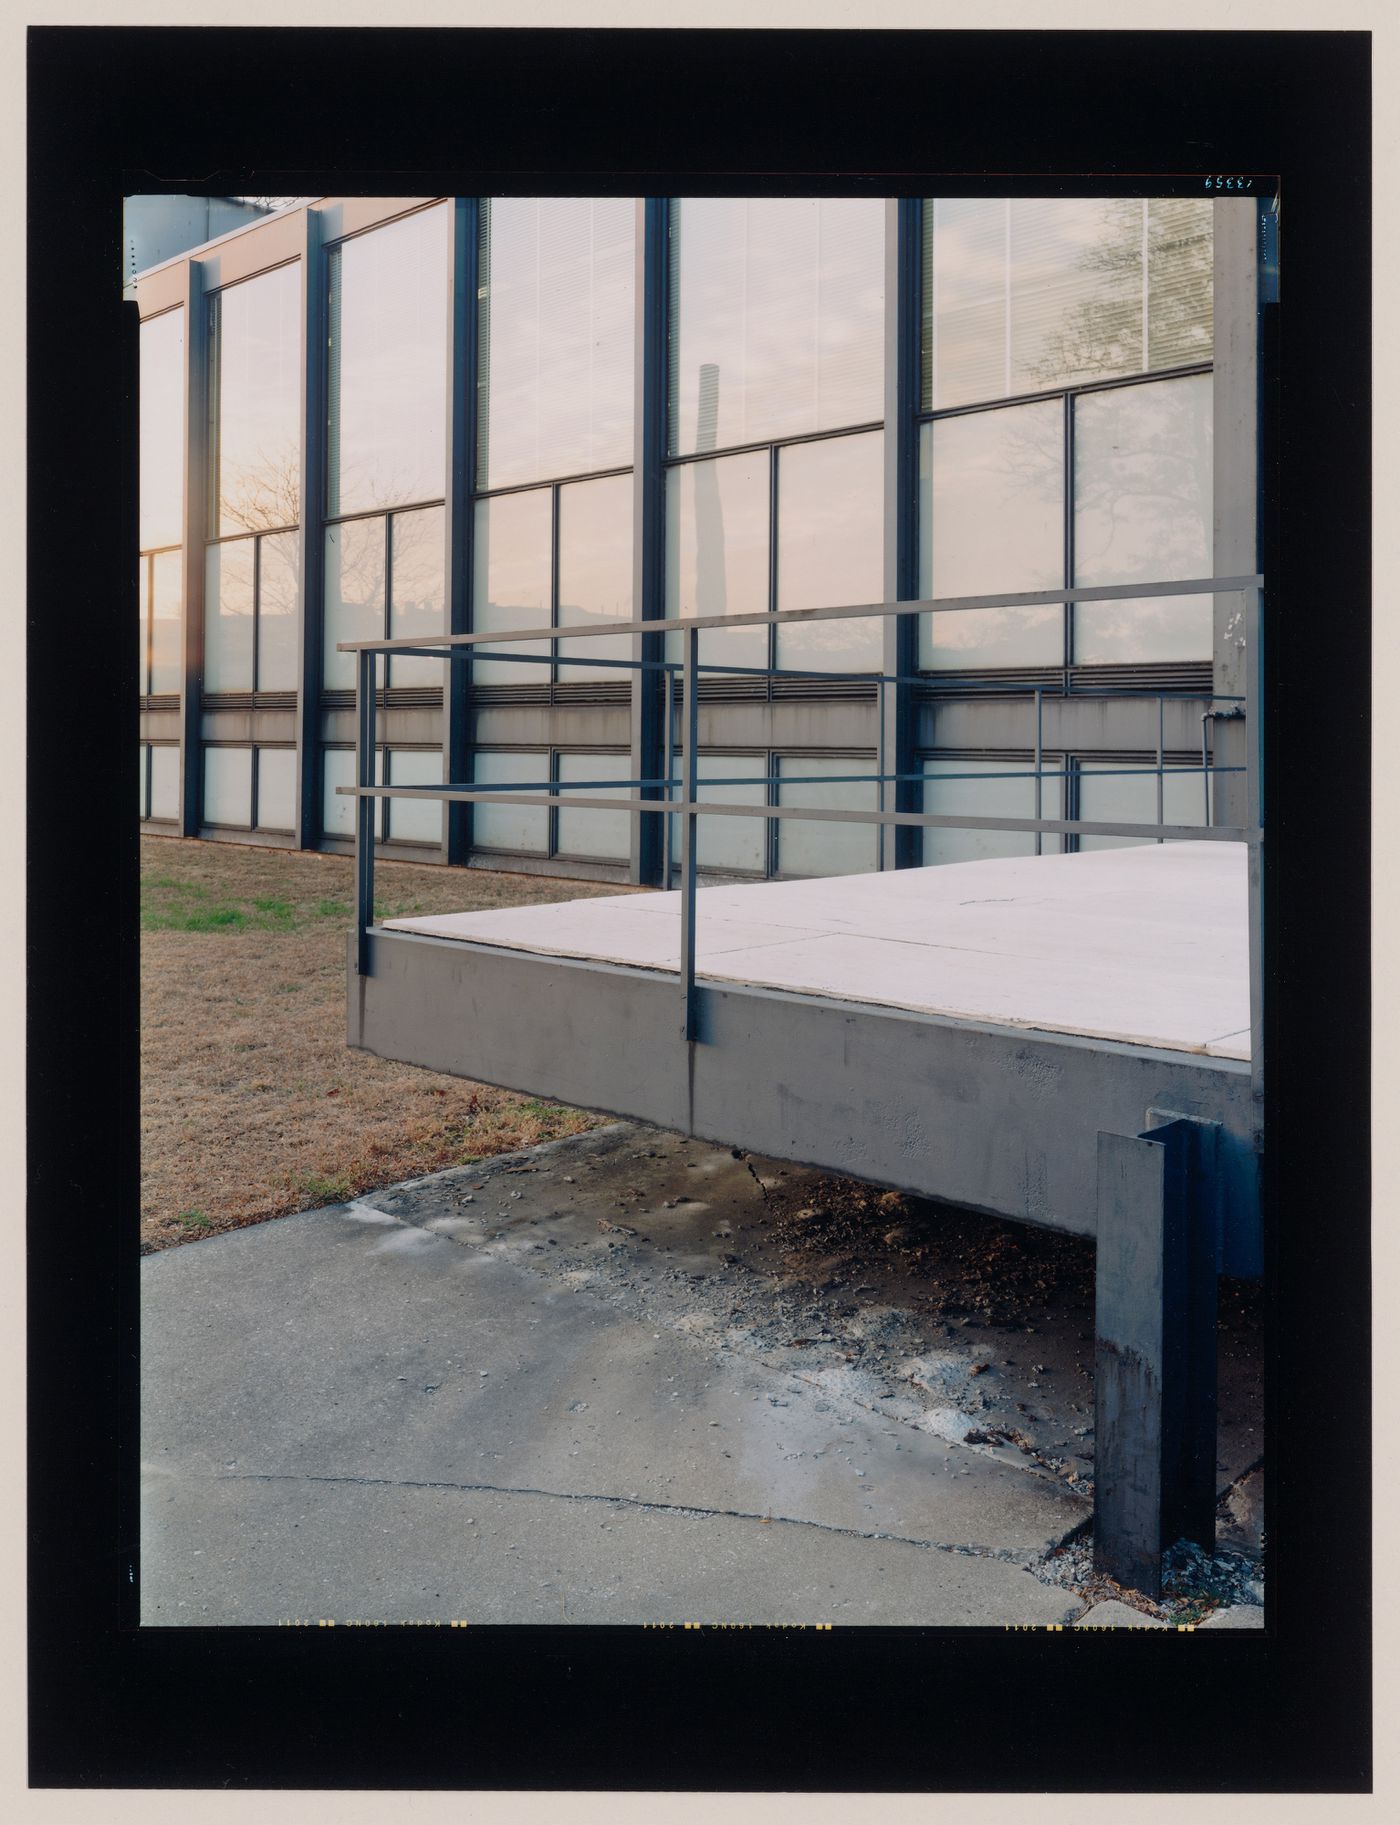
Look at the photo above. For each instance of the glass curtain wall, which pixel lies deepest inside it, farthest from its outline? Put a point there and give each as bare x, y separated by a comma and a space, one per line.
160, 585
1065, 438
552, 531
385, 551
775, 476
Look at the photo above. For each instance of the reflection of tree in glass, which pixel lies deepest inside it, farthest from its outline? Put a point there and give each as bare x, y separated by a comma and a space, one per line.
261, 496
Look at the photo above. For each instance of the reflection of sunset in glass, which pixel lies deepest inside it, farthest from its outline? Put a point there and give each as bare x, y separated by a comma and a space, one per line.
162, 430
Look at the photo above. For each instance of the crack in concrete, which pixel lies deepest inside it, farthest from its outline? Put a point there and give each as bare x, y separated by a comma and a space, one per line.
689, 1511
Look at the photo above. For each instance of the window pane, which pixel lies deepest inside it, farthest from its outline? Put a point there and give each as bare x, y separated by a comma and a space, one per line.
511, 826
511, 559
354, 595
167, 621
992, 518
556, 337
388, 365
415, 820
143, 614
165, 781
279, 588
1143, 510
228, 787
1120, 793
595, 571
717, 554
1032, 293
162, 434
228, 616
277, 788
992, 796
831, 550
604, 835
255, 403
812, 848
417, 599
337, 813
144, 753
737, 844
777, 317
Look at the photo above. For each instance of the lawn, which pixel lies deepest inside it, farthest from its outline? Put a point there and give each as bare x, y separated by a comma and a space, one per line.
252, 1105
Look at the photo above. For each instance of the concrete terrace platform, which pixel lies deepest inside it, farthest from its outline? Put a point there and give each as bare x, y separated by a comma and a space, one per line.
475, 1398
1144, 946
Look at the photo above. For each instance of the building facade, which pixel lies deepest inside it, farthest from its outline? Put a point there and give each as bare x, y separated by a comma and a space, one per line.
371, 417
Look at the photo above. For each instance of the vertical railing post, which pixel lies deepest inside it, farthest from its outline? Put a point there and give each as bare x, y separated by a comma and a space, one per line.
648, 515
1255, 801
1161, 752
365, 722
688, 858
1039, 765
461, 488
897, 708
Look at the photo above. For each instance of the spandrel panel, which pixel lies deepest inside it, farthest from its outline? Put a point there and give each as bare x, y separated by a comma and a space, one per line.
737, 844
1143, 512
355, 558
511, 559
557, 329
387, 367
1118, 792
255, 403
514, 827
229, 603
279, 590
991, 519
600, 835
831, 551
228, 787
162, 430
165, 780
812, 847
415, 820
595, 573
991, 793
167, 622
417, 596
717, 554
777, 318
337, 812
277, 789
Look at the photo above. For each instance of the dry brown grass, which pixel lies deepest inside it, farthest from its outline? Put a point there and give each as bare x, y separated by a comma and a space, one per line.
252, 1104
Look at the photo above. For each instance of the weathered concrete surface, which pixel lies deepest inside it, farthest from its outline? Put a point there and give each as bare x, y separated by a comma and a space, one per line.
1114, 1615
347, 1414
1238, 1616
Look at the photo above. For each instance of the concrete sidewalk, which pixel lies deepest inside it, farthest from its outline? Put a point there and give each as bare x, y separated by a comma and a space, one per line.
484, 1398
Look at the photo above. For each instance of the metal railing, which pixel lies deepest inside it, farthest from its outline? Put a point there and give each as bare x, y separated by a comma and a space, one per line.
686, 674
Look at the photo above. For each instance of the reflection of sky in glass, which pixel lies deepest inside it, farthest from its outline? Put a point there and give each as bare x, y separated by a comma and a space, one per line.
595, 570
987, 797
556, 337
258, 436
167, 616
417, 599
511, 559
521, 827
1029, 293
228, 787
1143, 512
388, 365
810, 848
991, 518
279, 579
1116, 795
605, 835
228, 616
162, 419
783, 297
143, 610
717, 554
831, 550
354, 595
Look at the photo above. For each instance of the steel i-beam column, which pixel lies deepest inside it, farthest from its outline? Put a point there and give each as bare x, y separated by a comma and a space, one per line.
1154, 1349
